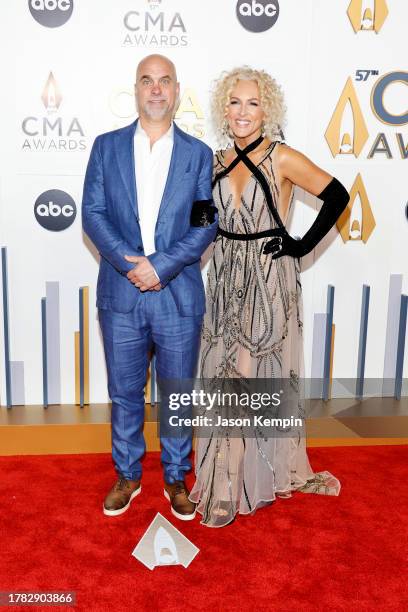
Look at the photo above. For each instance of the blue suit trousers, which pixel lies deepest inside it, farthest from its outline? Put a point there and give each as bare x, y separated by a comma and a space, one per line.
128, 338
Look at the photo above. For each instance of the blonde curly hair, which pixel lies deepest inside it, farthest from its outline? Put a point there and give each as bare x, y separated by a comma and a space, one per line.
271, 98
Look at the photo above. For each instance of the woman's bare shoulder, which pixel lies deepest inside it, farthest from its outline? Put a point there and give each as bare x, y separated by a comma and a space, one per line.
287, 156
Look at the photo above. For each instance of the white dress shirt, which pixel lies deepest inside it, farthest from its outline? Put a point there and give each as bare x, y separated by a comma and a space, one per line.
152, 167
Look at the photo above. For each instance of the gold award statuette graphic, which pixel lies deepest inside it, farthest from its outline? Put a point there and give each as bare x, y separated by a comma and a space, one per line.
357, 220
346, 143
51, 95
366, 15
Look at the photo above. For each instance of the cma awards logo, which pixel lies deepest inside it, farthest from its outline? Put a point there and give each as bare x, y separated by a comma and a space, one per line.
154, 27
51, 132
51, 13
55, 210
367, 16
189, 115
257, 15
357, 220
347, 131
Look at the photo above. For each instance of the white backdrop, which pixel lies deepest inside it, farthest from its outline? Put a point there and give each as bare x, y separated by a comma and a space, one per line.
312, 50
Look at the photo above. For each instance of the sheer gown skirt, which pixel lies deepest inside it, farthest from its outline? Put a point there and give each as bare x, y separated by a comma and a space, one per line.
241, 474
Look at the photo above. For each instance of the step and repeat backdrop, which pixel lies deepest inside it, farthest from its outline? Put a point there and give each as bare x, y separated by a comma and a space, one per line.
68, 70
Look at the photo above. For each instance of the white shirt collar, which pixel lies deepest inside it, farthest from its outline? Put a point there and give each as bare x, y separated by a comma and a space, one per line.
168, 136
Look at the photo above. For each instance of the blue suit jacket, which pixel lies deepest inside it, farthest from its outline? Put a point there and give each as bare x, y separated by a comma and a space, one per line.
110, 218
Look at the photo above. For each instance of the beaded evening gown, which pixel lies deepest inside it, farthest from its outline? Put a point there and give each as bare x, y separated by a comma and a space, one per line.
252, 329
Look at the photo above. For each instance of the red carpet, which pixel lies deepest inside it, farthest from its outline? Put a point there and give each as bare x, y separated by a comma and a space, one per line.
307, 553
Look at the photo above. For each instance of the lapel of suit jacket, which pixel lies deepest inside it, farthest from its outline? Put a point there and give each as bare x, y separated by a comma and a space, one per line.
124, 148
180, 158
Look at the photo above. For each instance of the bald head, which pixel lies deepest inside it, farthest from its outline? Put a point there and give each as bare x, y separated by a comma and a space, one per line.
156, 90
156, 61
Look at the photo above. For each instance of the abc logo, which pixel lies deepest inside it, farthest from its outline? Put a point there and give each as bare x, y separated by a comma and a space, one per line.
51, 13
55, 210
257, 15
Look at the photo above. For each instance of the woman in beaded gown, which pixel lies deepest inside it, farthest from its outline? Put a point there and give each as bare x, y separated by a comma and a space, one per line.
253, 323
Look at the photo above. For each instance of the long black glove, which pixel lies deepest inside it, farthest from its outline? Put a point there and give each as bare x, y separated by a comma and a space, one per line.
335, 198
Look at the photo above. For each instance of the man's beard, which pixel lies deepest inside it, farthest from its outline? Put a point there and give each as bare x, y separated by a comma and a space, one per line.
156, 113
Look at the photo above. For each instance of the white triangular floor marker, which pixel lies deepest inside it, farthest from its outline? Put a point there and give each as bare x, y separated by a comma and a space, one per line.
163, 544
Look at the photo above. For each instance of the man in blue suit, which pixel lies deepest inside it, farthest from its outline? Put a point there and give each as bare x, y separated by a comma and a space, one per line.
143, 187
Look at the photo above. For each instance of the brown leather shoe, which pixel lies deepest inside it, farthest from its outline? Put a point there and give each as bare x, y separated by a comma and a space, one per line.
181, 506
119, 497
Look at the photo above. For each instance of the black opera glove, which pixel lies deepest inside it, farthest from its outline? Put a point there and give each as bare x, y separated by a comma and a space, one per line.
282, 244
202, 213
335, 198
